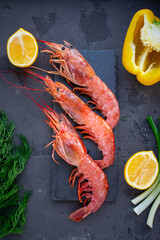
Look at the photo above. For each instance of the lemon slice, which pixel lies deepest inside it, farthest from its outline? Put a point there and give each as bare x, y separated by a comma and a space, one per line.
141, 170
22, 48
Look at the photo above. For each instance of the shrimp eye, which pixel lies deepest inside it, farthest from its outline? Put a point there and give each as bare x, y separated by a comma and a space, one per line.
57, 89
63, 48
71, 46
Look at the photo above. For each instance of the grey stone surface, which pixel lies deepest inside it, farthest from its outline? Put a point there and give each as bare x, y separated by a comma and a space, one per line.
91, 25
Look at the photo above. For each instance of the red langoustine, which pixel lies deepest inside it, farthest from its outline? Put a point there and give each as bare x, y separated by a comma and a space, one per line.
93, 184
95, 126
76, 69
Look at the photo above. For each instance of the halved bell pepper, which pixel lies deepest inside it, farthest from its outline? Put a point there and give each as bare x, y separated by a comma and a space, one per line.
141, 50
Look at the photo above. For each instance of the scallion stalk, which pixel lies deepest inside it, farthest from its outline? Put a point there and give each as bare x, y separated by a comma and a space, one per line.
156, 133
152, 212
151, 193
143, 205
143, 195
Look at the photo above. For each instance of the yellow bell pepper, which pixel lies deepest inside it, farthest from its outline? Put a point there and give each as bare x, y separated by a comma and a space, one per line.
141, 55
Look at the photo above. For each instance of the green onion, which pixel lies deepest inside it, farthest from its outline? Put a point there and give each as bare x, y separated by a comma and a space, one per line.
143, 195
143, 205
152, 212
152, 193
156, 133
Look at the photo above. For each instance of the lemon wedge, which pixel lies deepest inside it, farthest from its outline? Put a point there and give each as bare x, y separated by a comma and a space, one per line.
141, 170
22, 48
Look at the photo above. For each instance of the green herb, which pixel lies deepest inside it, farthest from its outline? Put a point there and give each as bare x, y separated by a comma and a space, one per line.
156, 133
124, 118
12, 162
152, 193
156, 22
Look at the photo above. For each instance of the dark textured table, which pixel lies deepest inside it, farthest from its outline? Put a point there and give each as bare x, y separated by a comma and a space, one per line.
87, 25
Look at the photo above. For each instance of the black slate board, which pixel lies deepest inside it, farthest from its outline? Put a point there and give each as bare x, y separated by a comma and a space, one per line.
103, 62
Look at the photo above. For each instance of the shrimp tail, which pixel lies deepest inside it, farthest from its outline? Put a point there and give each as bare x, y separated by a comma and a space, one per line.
79, 214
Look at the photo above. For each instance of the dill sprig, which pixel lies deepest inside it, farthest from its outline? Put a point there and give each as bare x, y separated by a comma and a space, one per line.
13, 159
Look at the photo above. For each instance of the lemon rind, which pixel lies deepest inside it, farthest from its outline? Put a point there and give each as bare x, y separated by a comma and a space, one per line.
19, 33
134, 185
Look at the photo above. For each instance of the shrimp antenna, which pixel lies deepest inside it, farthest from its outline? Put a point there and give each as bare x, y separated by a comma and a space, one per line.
27, 94
24, 74
43, 41
36, 75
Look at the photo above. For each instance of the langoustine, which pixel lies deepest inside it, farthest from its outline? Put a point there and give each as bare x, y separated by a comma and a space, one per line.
76, 69
70, 147
92, 183
96, 127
